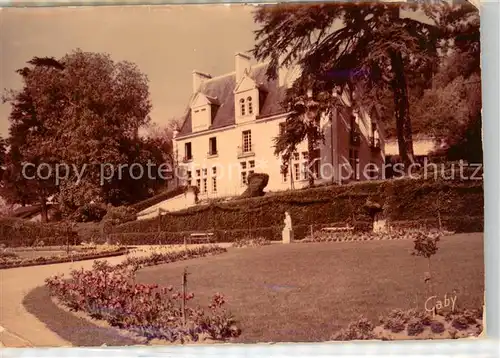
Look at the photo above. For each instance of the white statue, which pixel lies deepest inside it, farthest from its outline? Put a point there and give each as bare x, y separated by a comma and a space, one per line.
287, 233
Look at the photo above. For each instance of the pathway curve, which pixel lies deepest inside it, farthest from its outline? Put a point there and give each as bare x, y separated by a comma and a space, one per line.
19, 328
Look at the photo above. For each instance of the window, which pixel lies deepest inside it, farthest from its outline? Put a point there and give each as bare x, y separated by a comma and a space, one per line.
214, 185
246, 168
212, 146
214, 179
198, 172
242, 107
189, 177
296, 171
204, 172
285, 177
204, 185
353, 162
203, 109
250, 106
247, 141
304, 170
198, 183
187, 150
296, 156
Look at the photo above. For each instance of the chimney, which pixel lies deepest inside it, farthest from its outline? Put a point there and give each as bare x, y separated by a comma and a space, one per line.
242, 63
198, 79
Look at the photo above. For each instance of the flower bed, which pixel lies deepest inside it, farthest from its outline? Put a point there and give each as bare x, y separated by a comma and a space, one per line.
414, 324
399, 234
110, 293
158, 258
12, 260
251, 242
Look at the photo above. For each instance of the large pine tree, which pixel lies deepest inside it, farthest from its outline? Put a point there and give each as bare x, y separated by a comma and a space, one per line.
365, 47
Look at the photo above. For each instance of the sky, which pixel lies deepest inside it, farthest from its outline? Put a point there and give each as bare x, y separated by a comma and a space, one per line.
166, 42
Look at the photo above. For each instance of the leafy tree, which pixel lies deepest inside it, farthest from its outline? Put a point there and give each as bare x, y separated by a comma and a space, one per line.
450, 110
85, 110
364, 47
31, 134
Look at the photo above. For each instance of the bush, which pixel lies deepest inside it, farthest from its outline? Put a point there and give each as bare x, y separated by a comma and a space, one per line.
461, 323
362, 329
414, 327
116, 215
89, 213
437, 327
18, 232
256, 184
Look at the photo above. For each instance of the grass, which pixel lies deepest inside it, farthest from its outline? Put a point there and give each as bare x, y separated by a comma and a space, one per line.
306, 292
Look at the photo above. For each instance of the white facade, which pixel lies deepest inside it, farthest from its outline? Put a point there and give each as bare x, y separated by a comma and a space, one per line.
233, 136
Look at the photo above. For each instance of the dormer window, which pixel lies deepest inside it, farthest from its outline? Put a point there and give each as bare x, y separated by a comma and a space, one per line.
242, 107
250, 105
204, 110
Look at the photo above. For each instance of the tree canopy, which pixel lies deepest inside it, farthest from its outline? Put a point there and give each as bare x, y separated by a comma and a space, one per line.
383, 54
83, 110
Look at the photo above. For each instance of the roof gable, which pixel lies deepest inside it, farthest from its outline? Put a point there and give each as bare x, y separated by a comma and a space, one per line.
201, 99
222, 89
246, 84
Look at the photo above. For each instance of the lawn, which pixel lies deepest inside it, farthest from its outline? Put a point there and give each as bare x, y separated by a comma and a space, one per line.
306, 292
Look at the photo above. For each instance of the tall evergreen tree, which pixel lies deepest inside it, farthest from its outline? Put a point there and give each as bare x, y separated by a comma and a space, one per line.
365, 47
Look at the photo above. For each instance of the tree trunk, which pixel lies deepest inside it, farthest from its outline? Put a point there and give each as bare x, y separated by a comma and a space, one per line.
310, 158
402, 110
43, 207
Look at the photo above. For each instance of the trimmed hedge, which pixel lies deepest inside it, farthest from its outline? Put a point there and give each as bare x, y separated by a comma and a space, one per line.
16, 232
403, 200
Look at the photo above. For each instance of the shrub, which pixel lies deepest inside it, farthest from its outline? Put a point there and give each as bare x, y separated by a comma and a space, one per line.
18, 232
256, 184
415, 327
117, 215
89, 213
460, 323
362, 329
437, 327
396, 320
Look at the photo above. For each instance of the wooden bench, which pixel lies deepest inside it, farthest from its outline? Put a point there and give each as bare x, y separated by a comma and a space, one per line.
200, 236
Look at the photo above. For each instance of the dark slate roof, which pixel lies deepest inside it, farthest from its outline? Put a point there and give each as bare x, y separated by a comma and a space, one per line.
222, 88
